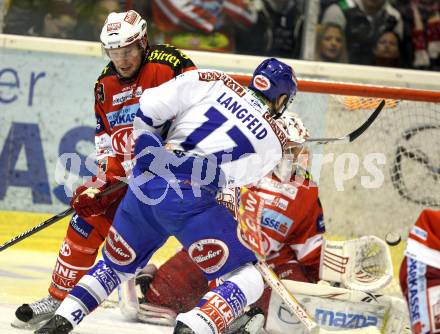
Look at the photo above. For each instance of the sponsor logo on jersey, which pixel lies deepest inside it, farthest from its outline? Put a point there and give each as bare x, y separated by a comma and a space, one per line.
124, 116
344, 320
113, 27
117, 249
276, 221
127, 95
286, 189
261, 82
169, 58
416, 289
209, 254
279, 132
419, 232
80, 226
122, 141
227, 80
280, 203
65, 249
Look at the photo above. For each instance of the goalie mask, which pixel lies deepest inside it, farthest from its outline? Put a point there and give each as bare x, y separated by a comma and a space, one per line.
295, 155
273, 79
124, 29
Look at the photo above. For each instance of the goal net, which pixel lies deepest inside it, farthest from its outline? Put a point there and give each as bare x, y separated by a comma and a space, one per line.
381, 181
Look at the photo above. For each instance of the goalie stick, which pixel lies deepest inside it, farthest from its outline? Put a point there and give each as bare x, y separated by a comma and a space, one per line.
352, 136
54, 219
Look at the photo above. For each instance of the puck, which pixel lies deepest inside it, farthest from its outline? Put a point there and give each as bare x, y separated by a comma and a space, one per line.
393, 238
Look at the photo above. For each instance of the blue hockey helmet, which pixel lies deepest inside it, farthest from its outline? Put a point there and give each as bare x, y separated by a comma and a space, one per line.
273, 78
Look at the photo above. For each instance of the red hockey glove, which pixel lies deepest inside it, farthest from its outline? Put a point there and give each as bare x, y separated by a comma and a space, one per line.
86, 201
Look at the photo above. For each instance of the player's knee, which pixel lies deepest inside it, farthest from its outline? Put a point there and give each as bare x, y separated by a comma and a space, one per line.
250, 281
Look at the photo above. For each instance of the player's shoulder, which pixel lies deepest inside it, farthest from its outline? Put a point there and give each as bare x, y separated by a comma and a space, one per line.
108, 71
169, 55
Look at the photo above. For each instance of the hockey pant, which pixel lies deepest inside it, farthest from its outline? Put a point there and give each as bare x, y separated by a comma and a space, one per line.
420, 285
206, 229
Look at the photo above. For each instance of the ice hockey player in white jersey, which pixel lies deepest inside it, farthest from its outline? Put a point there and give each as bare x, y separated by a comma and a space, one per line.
221, 135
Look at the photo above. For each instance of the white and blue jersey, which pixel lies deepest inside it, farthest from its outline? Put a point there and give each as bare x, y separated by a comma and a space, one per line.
215, 117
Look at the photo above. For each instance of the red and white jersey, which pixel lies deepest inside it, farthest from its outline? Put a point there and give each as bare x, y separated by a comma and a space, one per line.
424, 239
214, 117
117, 100
292, 222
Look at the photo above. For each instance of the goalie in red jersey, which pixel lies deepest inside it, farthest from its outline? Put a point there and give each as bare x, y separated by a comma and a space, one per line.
420, 273
134, 67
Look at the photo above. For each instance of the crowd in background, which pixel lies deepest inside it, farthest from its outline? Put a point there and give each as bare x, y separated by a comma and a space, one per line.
392, 33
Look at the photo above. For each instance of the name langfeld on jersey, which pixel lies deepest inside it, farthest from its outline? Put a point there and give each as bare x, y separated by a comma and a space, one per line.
256, 127
127, 95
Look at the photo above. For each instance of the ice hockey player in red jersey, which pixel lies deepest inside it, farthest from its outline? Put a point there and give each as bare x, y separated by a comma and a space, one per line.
135, 66
420, 273
292, 226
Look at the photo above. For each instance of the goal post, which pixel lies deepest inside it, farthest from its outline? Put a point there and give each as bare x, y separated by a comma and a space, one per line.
380, 182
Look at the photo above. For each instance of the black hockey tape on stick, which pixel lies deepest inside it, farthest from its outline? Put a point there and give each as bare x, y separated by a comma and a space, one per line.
352, 136
55, 218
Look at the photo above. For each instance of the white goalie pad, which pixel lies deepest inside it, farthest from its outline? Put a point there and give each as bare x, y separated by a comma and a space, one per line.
132, 310
361, 264
338, 310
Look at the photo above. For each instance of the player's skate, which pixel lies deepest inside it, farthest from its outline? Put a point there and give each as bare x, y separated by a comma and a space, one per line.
251, 322
30, 316
56, 325
181, 328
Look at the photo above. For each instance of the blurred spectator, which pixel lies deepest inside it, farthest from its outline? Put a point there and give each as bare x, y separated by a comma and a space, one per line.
92, 17
201, 25
422, 27
279, 30
386, 52
55, 19
330, 44
363, 21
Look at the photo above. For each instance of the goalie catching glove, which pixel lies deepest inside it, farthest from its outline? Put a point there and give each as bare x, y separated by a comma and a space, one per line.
362, 264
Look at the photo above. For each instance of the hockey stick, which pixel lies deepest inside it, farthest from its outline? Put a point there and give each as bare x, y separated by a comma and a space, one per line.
55, 218
251, 207
348, 138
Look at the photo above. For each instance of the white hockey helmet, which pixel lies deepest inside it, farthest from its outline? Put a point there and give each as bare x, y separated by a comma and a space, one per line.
122, 29
295, 154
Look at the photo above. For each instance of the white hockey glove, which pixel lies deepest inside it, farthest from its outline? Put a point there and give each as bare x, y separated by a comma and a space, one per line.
362, 264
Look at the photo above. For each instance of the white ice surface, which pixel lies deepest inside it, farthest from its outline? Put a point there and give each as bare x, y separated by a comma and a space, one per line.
24, 278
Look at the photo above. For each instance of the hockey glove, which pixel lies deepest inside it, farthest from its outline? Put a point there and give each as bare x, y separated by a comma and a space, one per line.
360, 264
86, 201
